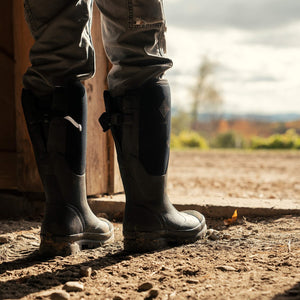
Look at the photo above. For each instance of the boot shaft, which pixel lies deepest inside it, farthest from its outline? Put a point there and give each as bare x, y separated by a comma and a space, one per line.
57, 126
141, 122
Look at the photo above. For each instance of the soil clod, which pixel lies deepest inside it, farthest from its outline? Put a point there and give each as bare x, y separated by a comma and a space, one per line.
73, 286
152, 294
60, 295
145, 286
226, 268
86, 271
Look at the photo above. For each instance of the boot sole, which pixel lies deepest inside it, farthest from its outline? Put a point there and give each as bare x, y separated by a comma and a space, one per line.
63, 246
151, 241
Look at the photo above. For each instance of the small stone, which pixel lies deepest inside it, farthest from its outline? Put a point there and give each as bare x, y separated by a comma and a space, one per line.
192, 281
86, 271
145, 286
226, 236
73, 286
213, 234
172, 296
59, 295
118, 297
4, 239
152, 294
226, 268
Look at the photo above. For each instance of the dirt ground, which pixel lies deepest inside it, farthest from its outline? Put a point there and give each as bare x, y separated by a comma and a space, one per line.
235, 174
254, 258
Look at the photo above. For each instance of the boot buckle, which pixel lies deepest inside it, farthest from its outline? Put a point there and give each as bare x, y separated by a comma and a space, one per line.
108, 120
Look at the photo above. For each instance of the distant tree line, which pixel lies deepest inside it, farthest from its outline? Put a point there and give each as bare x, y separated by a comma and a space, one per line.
189, 131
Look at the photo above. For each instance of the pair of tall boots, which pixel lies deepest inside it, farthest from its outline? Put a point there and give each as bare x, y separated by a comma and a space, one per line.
140, 124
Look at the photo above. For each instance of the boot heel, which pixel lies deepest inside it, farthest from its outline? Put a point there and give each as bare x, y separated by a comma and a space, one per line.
140, 244
50, 248
151, 241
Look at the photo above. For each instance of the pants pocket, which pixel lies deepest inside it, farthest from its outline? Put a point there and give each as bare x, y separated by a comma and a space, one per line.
40, 12
33, 23
145, 13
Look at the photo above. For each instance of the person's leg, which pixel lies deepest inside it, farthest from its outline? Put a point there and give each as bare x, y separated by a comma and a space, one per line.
55, 108
134, 40
63, 49
138, 106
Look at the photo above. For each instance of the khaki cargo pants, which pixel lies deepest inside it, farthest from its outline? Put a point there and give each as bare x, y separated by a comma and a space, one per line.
133, 37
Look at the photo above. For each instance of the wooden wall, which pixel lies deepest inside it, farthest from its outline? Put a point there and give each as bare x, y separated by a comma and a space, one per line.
17, 165
7, 109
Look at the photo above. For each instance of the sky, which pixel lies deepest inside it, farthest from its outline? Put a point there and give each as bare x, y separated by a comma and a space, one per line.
256, 45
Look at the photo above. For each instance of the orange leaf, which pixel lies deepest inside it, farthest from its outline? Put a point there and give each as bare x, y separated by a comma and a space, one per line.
231, 220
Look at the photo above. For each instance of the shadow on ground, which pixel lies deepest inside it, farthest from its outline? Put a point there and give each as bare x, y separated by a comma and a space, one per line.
26, 285
292, 294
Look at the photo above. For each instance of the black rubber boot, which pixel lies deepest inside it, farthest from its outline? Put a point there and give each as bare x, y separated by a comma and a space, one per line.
57, 128
140, 124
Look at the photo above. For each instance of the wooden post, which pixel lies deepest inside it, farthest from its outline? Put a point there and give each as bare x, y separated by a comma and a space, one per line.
101, 156
102, 171
8, 159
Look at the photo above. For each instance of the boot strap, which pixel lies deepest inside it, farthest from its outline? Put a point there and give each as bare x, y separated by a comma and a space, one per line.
108, 120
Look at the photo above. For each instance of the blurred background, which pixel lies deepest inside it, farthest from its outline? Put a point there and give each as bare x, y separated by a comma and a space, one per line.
235, 80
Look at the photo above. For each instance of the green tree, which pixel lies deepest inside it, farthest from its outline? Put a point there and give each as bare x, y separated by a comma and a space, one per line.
205, 94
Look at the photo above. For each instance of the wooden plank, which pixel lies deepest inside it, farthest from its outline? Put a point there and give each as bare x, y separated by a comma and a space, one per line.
102, 169
27, 174
118, 184
115, 182
97, 150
